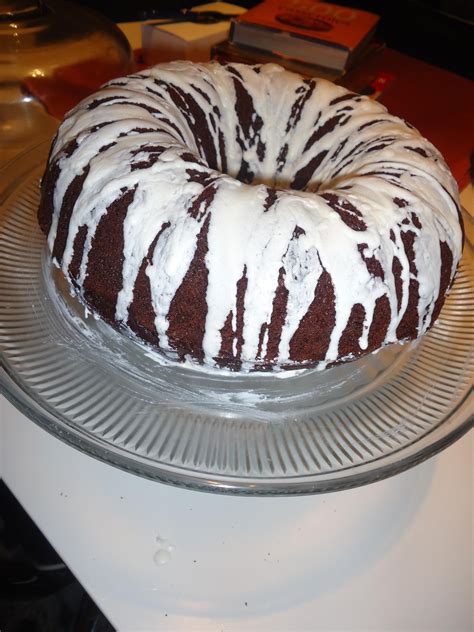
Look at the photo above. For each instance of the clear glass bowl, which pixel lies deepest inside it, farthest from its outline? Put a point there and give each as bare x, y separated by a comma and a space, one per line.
313, 432
52, 54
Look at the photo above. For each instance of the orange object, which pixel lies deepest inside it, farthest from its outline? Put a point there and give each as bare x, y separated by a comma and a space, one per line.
318, 33
342, 26
439, 103
70, 84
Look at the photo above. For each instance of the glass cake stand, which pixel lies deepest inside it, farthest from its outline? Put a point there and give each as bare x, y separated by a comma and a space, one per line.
109, 397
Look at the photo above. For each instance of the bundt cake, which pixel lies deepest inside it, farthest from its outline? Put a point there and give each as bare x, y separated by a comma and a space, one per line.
244, 217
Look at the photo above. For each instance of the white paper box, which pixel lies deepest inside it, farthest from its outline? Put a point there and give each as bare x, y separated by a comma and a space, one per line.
186, 40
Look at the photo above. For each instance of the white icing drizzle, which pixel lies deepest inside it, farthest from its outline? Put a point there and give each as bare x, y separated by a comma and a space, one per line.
248, 236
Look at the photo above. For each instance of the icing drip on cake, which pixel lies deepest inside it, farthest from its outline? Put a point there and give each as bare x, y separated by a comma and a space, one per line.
243, 217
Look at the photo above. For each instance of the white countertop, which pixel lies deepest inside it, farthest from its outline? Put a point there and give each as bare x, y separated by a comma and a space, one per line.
394, 555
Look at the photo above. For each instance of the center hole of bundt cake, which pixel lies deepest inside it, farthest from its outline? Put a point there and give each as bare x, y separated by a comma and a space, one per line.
303, 180
252, 161
276, 172
250, 174
275, 181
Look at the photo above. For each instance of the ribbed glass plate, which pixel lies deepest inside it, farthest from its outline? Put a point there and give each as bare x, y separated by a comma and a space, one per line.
317, 431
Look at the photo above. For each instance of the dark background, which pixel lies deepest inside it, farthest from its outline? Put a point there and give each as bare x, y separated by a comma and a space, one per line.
440, 32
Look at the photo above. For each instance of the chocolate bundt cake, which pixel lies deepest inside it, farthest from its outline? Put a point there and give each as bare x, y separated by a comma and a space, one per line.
244, 217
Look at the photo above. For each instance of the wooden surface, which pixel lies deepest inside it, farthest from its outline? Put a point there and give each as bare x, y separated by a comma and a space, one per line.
437, 102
